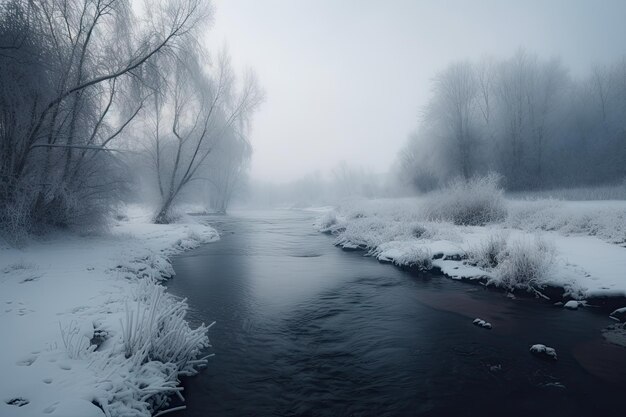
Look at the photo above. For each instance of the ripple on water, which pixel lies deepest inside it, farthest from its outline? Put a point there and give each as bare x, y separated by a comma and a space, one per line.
304, 329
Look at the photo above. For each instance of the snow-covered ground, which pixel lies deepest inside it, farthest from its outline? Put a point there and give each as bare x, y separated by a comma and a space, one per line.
63, 296
576, 246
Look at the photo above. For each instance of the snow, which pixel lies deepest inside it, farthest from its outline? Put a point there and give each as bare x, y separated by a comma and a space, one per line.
65, 290
576, 246
571, 305
482, 323
619, 314
543, 351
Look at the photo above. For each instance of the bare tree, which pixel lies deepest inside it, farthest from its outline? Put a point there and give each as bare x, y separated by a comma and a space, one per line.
74, 66
227, 170
455, 109
204, 109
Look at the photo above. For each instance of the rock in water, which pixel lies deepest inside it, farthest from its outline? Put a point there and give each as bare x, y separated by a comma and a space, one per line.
571, 305
543, 351
482, 323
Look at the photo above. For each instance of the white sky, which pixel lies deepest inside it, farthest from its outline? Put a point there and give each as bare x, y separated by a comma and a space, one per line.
345, 79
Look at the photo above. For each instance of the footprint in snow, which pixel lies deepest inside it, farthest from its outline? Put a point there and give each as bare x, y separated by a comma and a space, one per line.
47, 380
26, 361
51, 409
30, 279
17, 401
65, 366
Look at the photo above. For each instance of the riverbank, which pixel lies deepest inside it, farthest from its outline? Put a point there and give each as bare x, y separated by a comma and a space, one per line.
82, 320
558, 249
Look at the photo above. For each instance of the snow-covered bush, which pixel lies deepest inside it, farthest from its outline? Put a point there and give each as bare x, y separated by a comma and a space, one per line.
75, 341
404, 254
417, 230
476, 201
327, 221
138, 371
525, 264
487, 254
371, 232
152, 265
157, 330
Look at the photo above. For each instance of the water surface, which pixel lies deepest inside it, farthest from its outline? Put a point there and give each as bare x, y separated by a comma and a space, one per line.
306, 329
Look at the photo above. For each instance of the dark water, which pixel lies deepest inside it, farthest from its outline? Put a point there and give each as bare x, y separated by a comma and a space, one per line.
305, 329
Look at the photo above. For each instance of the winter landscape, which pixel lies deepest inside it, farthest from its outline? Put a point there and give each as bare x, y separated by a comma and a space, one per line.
312, 208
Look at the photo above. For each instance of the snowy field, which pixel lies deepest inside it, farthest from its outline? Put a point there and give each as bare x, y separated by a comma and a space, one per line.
530, 245
86, 328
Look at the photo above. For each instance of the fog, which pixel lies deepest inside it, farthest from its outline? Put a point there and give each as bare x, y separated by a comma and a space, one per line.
482, 141
347, 81
299, 103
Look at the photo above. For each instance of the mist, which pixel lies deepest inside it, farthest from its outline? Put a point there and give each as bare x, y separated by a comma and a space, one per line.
349, 81
312, 208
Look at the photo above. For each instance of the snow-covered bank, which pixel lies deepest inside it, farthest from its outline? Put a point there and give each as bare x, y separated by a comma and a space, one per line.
575, 246
82, 335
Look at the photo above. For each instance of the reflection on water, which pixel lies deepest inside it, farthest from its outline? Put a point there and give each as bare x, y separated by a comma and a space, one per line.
304, 329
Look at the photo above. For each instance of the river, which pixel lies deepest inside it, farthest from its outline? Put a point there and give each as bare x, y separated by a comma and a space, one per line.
306, 329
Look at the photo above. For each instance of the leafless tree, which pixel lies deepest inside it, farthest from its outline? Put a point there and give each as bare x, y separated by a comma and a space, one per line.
226, 172
70, 70
455, 107
524, 117
201, 110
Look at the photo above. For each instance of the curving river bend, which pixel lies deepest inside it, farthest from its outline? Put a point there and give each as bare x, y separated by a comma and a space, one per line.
305, 329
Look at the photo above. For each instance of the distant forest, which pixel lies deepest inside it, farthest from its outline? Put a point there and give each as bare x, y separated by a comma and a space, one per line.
525, 118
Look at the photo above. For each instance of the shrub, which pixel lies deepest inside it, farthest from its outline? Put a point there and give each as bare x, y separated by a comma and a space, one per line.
327, 221
157, 330
525, 263
472, 202
487, 255
417, 230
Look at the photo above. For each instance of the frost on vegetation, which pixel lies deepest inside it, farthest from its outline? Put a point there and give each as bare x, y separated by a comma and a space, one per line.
405, 255
152, 265
189, 242
371, 232
139, 371
487, 255
522, 263
525, 264
77, 343
417, 230
328, 223
473, 202
156, 329
606, 221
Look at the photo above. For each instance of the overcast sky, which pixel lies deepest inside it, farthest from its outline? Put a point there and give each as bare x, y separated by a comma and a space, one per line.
345, 79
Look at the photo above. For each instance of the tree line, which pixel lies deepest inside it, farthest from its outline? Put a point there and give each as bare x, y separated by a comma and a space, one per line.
524, 117
94, 91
